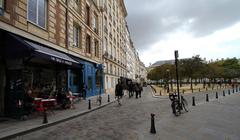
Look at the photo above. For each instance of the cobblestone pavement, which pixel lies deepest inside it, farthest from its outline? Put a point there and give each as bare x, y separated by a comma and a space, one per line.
217, 120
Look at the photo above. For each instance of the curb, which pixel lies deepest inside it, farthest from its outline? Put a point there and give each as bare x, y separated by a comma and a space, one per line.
41, 126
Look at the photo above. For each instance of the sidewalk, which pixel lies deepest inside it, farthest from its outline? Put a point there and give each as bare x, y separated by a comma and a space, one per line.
12, 128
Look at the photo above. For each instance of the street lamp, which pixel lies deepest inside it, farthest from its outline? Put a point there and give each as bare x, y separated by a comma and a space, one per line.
176, 64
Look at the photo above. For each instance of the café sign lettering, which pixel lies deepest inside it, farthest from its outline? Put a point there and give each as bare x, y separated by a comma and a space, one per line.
61, 60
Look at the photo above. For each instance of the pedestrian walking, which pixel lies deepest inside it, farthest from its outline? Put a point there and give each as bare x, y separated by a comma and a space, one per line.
136, 88
119, 91
130, 89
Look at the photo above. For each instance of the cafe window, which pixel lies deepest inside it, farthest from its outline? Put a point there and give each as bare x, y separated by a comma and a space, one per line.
37, 12
76, 36
90, 82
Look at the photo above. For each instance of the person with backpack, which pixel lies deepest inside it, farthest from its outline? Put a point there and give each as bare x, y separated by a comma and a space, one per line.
119, 91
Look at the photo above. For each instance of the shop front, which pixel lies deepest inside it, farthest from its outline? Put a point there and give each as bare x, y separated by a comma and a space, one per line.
29, 65
89, 78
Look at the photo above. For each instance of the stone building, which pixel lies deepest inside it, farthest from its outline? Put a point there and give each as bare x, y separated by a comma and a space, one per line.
49, 44
114, 47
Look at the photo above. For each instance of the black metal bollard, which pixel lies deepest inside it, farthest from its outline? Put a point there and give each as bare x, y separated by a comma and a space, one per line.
45, 120
224, 93
160, 93
100, 100
199, 89
233, 90
183, 91
89, 104
229, 92
207, 98
216, 95
108, 98
153, 130
236, 89
193, 101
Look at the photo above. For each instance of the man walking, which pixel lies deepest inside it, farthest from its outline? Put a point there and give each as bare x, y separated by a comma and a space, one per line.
119, 91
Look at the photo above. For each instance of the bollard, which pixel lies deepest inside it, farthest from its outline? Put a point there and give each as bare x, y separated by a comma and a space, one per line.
193, 101
160, 93
108, 98
199, 89
153, 130
89, 104
233, 90
224, 93
206, 89
216, 95
236, 89
100, 100
207, 98
229, 92
45, 120
183, 91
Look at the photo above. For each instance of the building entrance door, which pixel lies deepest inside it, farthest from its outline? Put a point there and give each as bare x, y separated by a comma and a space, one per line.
2, 85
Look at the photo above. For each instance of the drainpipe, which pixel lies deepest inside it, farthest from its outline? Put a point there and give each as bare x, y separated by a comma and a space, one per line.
66, 26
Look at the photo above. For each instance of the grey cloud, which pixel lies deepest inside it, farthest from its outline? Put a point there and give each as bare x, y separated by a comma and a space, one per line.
151, 20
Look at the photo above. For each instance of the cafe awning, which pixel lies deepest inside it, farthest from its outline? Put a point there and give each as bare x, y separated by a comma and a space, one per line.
45, 52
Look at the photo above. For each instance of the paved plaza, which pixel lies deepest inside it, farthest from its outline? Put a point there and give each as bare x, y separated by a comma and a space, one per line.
218, 119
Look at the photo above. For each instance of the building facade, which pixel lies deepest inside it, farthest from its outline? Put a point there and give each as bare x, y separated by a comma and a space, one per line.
114, 47
53, 45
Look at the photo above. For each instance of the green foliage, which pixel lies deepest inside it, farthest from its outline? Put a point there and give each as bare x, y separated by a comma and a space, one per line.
196, 68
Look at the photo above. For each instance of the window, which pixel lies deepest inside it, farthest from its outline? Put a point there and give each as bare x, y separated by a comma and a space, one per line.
88, 15
76, 36
77, 5
1, 7
88, 44
95, 23
111, 72
105, 44
37, 12
1, 4
96, 48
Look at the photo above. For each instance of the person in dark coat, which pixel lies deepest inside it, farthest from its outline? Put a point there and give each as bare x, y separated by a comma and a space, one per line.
140, 90
119, 91
136, 88
130, 89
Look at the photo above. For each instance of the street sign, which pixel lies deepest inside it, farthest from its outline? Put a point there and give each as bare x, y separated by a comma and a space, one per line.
176, 54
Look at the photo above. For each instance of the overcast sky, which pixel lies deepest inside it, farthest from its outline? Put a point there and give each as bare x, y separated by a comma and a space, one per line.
210, 28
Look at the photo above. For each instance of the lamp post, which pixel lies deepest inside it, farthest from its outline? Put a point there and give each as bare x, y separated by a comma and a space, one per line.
177, 76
